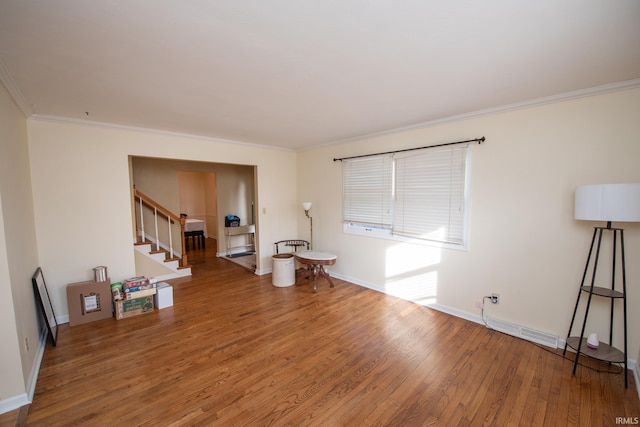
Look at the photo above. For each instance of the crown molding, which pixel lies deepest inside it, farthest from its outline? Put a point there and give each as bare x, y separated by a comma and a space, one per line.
567, 96
107, 125
14, 91
5, 77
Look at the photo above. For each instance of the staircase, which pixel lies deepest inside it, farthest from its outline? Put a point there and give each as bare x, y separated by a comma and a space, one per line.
155, 242
162, 258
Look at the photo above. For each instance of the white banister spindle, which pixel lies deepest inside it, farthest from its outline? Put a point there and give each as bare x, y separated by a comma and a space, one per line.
155, 216
150, 206
141, 223
170, 239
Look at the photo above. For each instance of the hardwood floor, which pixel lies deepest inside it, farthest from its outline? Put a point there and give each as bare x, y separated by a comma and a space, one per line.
235, 350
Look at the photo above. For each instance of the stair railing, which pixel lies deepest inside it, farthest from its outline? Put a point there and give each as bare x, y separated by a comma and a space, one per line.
159, 212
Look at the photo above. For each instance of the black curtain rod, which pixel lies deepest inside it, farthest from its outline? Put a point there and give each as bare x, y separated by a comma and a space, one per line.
478, 140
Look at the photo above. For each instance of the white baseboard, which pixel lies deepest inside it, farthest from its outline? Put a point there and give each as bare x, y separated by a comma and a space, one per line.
13, 403
509, 328
26, 398
164, 277
636, 376
263, 272
35, 369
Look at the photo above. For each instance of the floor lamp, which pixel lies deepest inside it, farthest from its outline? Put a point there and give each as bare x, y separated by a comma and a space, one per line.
306, 206
608, 203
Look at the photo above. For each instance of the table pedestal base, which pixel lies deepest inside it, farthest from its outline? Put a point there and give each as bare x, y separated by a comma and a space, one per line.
315, 262
315, 271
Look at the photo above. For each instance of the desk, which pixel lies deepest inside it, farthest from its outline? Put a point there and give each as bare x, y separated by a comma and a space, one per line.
315, 262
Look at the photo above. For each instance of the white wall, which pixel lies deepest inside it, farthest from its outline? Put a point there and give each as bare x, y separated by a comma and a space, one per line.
192, 194
211, 204
18, 258
524, 242
11, 365
199, 198
82, 194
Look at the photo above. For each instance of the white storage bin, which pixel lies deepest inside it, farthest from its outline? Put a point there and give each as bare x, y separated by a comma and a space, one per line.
164, 295
283, 270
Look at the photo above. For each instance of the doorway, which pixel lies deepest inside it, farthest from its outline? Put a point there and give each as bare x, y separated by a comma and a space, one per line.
208, 191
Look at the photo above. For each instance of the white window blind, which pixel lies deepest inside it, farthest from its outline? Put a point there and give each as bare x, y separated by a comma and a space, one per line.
430, 195
367, 191
412, 195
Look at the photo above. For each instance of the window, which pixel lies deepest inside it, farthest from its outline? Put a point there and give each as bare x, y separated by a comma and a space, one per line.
368, 184
418, 196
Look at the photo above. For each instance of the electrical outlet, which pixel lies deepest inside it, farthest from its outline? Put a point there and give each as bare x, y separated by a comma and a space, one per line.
479, 304
495, 298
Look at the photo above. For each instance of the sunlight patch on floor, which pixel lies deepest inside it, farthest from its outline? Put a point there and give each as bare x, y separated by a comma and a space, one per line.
411, 272
422, 288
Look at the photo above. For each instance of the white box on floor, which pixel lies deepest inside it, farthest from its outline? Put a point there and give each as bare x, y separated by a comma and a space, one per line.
164, 295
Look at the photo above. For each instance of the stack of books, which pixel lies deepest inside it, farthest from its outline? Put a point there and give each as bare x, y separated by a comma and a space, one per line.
137, 297
138, 287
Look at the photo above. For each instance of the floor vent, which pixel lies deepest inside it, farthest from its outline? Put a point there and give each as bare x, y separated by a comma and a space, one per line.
524, 333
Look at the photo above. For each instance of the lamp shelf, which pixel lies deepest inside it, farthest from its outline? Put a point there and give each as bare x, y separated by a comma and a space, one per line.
604, 352
609, 203
603, 292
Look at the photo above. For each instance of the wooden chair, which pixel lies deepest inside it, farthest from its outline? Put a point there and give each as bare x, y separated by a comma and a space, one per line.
295, 244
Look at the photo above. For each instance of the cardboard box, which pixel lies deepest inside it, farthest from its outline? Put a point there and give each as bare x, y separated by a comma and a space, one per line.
140, 294
133, 307
88, 301
164, 295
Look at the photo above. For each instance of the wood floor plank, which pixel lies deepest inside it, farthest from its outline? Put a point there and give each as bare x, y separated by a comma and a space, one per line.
235, 350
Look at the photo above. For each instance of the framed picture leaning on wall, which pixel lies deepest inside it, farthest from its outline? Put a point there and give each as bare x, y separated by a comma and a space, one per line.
42, 295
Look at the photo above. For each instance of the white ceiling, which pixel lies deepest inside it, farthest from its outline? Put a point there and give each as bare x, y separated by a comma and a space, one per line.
300, 73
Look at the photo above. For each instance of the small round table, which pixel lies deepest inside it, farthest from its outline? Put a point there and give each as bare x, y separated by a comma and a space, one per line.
315, 262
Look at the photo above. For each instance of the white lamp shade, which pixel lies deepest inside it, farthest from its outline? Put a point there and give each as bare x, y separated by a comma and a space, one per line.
608, 202
306, 206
